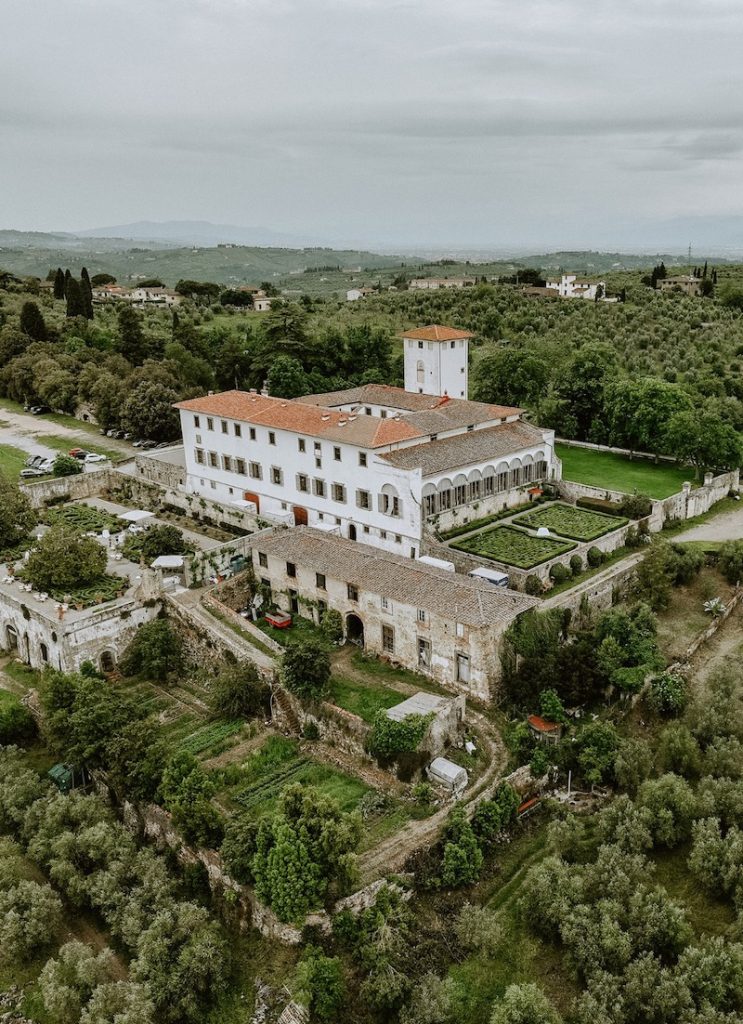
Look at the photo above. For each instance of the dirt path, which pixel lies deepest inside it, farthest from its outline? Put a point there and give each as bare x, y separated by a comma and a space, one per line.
344, 667
17, 426
718, 652
390, 855
728, 526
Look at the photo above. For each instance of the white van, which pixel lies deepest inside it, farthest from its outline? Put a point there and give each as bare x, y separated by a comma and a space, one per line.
492, 576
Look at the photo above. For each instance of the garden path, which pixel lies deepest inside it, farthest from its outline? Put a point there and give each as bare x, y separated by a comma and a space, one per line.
728, 526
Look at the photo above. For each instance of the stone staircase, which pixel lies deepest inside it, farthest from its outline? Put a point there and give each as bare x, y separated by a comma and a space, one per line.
283, 711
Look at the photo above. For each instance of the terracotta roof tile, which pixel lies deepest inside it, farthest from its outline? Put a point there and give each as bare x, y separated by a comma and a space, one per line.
436, 332
465, 449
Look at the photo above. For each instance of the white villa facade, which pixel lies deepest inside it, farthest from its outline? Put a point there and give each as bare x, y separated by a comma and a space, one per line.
570, 286
370, 463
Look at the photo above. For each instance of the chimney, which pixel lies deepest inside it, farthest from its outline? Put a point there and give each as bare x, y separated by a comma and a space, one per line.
325, 417
264, 389
210, 393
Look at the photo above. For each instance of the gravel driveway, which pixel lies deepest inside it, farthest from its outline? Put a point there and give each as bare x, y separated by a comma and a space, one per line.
728, 526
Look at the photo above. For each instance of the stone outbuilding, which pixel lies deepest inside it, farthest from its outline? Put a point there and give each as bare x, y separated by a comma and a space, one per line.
447, 721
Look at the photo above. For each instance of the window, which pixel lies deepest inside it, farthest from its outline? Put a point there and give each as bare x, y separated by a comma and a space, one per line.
294, 602
322, 607
318, 446
388, 640
363, 499
460, 494
200, 456
460, 630
362, 458
263, 559
252, 433
303, 483
238, 430
390, 504
301, 444
424, 653
209, 423
421, 615
337, 453
291, 570
453, 345
420, 371
196, 422
398, 538
277, 477
383, 534
240, 466
266, 583
367, 410
318, 462
198, 439
353, 592
225, 427
387, 605
256, 472
227, 463
320, 580
420, 344
271, 437
318, 488
213, 461
366, 529
339, 492
213, 485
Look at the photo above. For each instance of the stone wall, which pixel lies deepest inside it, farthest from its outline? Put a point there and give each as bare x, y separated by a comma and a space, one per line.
600, 590
517, 499
159, 471
69, 488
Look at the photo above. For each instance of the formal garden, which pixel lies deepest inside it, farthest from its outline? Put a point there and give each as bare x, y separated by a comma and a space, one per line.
570, 521
512, 546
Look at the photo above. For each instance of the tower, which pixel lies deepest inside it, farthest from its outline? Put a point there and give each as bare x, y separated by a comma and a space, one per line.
436, 361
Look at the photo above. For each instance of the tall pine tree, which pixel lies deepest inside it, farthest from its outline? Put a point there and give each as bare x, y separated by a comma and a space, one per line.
32, 322
59, 284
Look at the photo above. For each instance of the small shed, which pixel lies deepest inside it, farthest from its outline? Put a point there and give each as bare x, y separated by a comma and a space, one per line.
448, 775
172, 563
447, 718
544, 730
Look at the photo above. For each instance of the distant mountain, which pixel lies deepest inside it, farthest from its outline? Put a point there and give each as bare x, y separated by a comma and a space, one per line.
198, 232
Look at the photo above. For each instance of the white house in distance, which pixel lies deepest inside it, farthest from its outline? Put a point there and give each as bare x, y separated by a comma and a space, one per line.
433, 284
354, 294
570, 286
373, 462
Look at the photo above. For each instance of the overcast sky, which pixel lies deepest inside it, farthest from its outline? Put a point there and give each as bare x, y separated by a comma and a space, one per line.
481, 122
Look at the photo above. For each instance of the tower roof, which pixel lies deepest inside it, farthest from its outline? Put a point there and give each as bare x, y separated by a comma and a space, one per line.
437, 332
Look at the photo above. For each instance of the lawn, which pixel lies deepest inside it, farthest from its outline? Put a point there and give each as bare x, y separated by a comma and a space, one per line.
570, 521
360, 699
299, 629
511, 546
619, 473
12, 460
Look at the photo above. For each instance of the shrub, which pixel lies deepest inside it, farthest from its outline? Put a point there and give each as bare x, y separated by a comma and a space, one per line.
305, 668
389, 738
66, 465
320, 984
17, 518
576, 565
559, 572
239, 692
492, 817
668, 694
332, 626
17, 724
462, 860
730, 561
552, 707
30, 914
685, 563
636, 506
533, 585
595, 557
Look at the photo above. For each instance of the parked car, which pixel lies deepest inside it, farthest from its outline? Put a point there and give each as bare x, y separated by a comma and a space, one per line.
164, 444
95, 457
33, 460
149, 444
77, 453
39, 410
33, 471
127, 436
138, 442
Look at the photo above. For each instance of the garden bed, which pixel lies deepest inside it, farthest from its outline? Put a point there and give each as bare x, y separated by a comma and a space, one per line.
83, 518
512, 546
477, 524
571, 522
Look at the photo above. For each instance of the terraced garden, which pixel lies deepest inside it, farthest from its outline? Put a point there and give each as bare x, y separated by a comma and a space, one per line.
362, 700
571, 521
512, 546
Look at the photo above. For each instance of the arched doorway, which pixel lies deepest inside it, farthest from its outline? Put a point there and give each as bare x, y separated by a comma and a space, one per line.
300, 515
351, 532
12, 638
107, 662
355, 630
250, 496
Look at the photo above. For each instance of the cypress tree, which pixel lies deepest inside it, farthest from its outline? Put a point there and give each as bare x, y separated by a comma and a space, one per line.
59, 284
32, 322
75, 300
87, 292
67, 276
